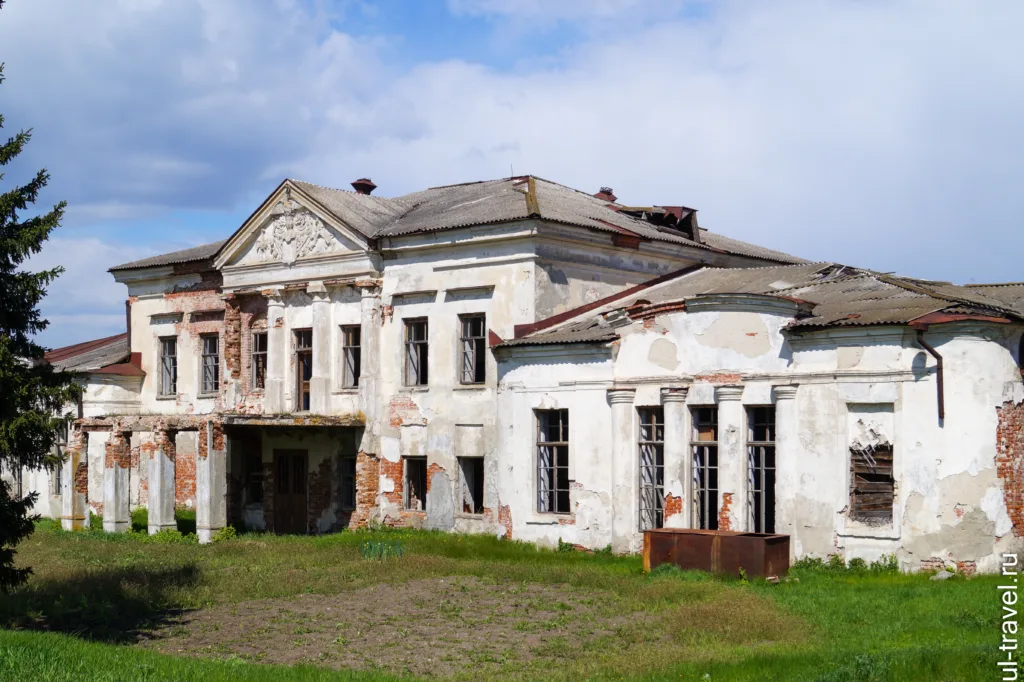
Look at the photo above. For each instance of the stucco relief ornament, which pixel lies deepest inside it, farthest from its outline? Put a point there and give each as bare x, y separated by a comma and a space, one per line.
292, 233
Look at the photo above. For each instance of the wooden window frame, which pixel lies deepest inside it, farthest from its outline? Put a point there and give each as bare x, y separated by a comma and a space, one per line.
417, 352
168, 364
211, 361
761, 463
651, 481
351, 355
704, 453
303, 390
472, 350
552, 457
258, 360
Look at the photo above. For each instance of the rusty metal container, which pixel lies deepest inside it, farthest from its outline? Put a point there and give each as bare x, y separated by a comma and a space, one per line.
717, 551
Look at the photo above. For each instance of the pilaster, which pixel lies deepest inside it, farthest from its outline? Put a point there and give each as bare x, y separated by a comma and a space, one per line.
277, 355
732, 459
677, 458
787, 458
161, 482
625, 471
116, 515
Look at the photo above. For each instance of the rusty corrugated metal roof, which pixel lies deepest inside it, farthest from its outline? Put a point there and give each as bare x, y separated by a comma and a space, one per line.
196, 253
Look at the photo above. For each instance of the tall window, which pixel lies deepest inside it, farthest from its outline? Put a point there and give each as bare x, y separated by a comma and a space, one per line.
60, 445
303, 366
348, 482
254, 478
416, 352
472, 349
168, 366
472, 471
873, 485
259, 360
761, 468
350, 356
210, 363
705, 467
652, 468
553, 461
416, 483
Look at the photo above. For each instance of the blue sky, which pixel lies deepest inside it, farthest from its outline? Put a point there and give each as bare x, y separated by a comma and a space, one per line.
879, 133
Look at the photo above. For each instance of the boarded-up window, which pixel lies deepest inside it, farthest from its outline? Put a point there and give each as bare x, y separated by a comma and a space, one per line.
416, 352
472, 350
168, 366
553, 461
652, 468
472, 473
705, 467
872, 483
416, 483
210, 363
351, 358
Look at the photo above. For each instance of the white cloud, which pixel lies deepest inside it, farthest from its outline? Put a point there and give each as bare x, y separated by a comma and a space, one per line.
883, 134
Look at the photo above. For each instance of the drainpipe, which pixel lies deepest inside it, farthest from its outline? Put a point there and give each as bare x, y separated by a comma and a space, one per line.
938, 367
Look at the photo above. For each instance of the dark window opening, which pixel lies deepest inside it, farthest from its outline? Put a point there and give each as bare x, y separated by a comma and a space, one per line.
254, 478
761, 468
210, 363
60, 445
473, 349
416, 483
705, 467
652, 468
872, 484
416, 352
168, 366
472, 470
348, 482
553, 461
303, 366
259, 360
350, 352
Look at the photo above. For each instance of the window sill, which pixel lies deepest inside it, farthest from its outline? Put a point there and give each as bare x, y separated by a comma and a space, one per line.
858, 529
471, 517
470, 387
207, 396
173, 396
416, 389
546, 519
346, 391
414, 511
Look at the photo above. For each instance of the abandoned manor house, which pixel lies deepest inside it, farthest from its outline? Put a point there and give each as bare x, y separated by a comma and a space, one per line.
519, 358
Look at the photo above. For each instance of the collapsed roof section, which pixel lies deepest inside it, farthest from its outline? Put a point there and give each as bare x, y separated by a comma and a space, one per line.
820, 295
493, 202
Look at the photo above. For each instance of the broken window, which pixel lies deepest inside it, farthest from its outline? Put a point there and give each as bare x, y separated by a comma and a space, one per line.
348, 482
259, 360
254, 478
472, 470
761, 468
872, 483
705, 467
416, 352
553, 461
652, 468
210, 363
351, 361
169, 366
303, 366
416, 483
472, 349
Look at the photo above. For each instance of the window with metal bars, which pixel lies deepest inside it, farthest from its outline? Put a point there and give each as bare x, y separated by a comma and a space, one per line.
761, 468
553, 461
351, 360
705, 467
210, 364
259, 360
348, 482
652, 467
472, 349
416, 352
168, 366
303, 366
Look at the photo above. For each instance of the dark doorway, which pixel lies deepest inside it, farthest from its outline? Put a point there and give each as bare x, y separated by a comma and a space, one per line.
290, 491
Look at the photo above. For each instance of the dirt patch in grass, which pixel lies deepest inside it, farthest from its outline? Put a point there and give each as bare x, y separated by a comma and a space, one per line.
440, 627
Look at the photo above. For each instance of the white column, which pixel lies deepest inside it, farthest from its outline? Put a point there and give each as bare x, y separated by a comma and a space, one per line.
677, 458
116, 515
161, 482
211, 481
74, 489
625, 472
320, 381
787, 458
369, 381
277, 356
732, 459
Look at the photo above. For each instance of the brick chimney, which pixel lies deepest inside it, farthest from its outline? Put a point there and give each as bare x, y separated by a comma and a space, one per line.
364, 186
606, 194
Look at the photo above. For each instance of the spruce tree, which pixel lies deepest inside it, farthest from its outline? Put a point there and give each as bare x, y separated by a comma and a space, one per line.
33, 397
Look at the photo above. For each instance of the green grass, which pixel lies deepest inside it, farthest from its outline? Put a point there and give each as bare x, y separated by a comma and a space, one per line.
830, 626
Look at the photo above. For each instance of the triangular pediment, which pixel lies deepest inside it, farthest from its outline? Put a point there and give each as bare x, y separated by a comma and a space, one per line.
289, 228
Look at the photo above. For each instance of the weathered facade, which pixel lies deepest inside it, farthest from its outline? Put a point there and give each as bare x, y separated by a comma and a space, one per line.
519, 358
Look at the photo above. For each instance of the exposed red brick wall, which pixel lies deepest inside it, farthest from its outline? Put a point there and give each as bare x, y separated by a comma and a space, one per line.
320, 489
718, 378
505, 519
367, 486
185, 475
1010, 461
933, 564
673, 505
396, 472
431, 470
232, 336
723, 515
968, 568
118, 452
82, 477
404, 411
